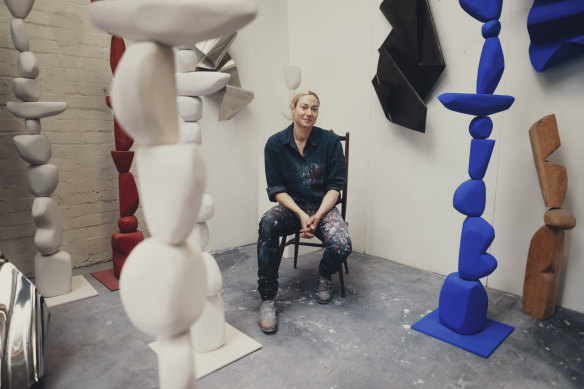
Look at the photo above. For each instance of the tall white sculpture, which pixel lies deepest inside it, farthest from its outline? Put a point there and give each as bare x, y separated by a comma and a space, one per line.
52, 266
164, 283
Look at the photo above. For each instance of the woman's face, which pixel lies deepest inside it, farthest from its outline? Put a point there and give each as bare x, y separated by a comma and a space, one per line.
306, 111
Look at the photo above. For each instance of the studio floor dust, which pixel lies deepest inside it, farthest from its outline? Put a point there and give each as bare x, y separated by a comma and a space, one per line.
361, 341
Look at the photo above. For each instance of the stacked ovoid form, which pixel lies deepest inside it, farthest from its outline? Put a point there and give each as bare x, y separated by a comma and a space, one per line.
52, 266
463, 301
208, 332
164, 284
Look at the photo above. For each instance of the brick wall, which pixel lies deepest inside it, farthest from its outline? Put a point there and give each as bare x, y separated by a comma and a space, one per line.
74, 67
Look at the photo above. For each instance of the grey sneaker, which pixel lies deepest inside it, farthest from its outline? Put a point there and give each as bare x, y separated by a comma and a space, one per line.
324, 290
268, 320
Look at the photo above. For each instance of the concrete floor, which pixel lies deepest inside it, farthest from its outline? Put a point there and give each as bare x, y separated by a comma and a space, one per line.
362, 341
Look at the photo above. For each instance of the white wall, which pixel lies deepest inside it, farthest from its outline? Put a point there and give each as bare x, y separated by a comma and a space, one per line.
402, 182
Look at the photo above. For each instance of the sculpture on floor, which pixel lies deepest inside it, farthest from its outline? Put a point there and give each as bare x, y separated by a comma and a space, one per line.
410, 62
24, 320
544, 260
52, 265
556, 30
128, 236
208, 332
163, 286
213, 55
463, 301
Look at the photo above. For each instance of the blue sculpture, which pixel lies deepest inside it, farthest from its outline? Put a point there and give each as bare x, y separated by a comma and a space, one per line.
556, 30
461, 318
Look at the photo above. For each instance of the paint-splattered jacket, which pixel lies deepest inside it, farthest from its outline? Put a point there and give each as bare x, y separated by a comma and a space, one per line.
306, 179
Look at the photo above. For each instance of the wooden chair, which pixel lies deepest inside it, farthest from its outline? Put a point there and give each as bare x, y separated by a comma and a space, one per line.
296, 240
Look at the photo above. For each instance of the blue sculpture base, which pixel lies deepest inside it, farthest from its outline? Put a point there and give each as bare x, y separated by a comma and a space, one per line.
482, 343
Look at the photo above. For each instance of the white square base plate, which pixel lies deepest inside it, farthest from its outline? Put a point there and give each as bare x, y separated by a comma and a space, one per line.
80, 289
237, 345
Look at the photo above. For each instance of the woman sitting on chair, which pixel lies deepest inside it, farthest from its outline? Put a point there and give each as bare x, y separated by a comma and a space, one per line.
305, 171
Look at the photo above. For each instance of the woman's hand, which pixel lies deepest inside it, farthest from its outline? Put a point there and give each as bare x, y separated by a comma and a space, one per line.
306, 230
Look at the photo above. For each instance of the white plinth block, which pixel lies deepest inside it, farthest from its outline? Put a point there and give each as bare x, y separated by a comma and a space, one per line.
172, 183
53, 273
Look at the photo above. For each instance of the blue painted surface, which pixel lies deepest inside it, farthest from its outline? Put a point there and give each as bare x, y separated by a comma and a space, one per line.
480, 127
463, 305
475, 104
491, 66
491, 29
473, 260
482, 343
480, 155
483, 10
556, 30
470, 197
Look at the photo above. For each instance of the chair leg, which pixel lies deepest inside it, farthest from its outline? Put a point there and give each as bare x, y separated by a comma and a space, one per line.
296, 245
346, 267
342, 282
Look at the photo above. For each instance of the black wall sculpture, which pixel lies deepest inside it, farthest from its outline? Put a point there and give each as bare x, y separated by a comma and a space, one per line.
410, 62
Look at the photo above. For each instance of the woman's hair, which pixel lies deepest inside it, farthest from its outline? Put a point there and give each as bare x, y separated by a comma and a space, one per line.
305, 93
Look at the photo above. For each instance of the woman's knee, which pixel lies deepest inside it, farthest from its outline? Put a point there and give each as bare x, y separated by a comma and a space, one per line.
342, 246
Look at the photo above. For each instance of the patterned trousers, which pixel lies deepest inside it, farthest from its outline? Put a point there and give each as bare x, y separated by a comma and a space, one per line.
280, 221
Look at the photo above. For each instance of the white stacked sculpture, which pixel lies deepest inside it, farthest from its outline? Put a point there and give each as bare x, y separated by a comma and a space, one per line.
208, 332
52, 266
163, 286
292, 78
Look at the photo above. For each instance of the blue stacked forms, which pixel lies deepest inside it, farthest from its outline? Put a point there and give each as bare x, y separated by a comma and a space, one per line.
556, 30
461, 318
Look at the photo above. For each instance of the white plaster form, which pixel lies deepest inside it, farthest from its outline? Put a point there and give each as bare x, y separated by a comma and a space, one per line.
80, 289
170, 209
200, 235
143, 99
190, 132
35, 110
171, 175
27, 65
47, 217
34, 149
42, 179
234, 101
26, 89
292, 77
200, 83
207, 208
190, 109
33, 126
18, 32
185, 60
174, 22
19, 8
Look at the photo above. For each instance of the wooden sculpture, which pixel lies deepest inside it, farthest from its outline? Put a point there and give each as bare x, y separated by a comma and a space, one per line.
546, 250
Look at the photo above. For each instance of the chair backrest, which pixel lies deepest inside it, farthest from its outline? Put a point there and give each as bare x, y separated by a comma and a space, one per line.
345, 139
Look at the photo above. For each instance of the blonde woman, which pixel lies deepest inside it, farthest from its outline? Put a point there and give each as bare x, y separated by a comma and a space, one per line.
305, 171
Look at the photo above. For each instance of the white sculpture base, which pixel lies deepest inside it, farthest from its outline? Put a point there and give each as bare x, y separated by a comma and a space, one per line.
237, 345
80, 289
